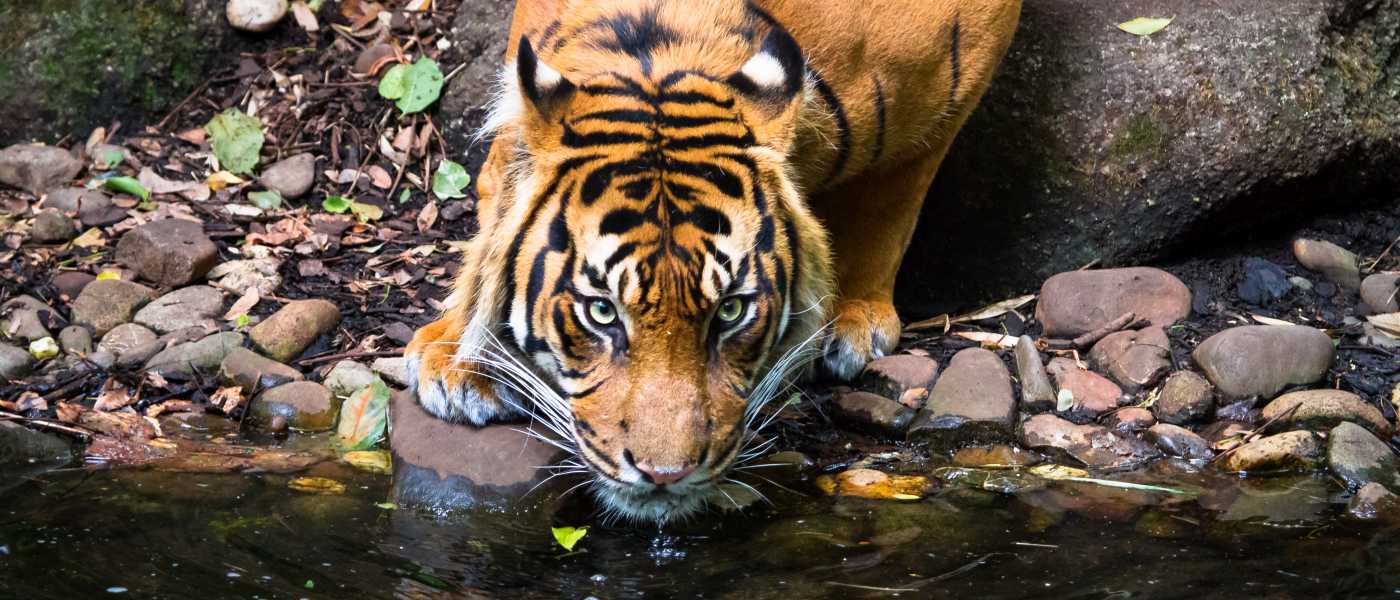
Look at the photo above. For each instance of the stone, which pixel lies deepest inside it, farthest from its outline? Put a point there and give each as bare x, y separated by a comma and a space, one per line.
1263, 282
347, 377
443, 465
1093, 445
75, 339
872, 484
1302, 283
130, 344
1289, 451
291, 177
1261, 360
252, 372
1037, 393
1135, 359
170, 252
872, 413
1129, 419
182, 361
303, 405
972, 401
1093, 394
1179, 441
25, 319
1323, 409
285, 334
1077, 302
1372, 502
1186, 397
108, 303
21, 446
194, 306
894, 376
371, 56
1000, 455
1359, 457
71, 283
1374, 336
394, 369
1381, 293
35, 168
255, 15
77, 201
15, 363
52, 227
1337, 264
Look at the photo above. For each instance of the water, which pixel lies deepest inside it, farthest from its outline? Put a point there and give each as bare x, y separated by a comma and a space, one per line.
79, 534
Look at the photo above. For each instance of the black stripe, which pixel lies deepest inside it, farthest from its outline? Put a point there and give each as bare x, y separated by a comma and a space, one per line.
620, 221
879, 121
598, 454
843, 127
954, 56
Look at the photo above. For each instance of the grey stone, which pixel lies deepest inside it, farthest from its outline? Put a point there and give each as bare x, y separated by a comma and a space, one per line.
102, 358
1179, 441
87, 204
1260, 360
251, 371
347, 377
1094, 445
130, 344
76, 339
1130, 418
1290, 451
394, 369
1077, 302
1037, 393
1337, 264
1359, 457
971, 402
1381, 293
1323, 409
15, 363
71, 283
194, 306
872, 413
303, 405
1185, 397
23, 318
288, 332
107, 303
291, 177
170, 252
52, 227
1135, 359
22, 446
35, 168
181, 361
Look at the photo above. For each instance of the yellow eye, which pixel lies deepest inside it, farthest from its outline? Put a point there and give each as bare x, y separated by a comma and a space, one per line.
730, 310
602, 312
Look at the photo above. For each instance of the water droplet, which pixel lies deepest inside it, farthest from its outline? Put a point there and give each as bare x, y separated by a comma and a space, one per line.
599, 578
116, 589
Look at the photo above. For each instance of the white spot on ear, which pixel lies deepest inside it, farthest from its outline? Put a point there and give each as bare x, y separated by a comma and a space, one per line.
546, 78
765, 71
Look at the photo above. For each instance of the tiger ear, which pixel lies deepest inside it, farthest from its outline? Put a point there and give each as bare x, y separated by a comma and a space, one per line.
541, 84
775, 72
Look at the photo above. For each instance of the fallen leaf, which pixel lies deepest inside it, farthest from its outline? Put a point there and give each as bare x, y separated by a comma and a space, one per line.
568, 537
373, 461
366, 212
1388, 323
128, 185
219, 180
413, 87
245, 303
317, 485
193, 136
1269, 321
1064, 400
227, 398
449, 180
236, 139
311, 268
266, 199
114, 396
998, 340
1145, 26
364, 417
379, 177
986, 312
305, 17
336, 204
427, 216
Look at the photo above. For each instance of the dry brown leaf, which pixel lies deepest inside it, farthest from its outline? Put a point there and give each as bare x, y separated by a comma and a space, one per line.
988, 339
227, 398
126, 424
194, 136
114, 396
427, 216
171, 406
987, 312
1388, 323
281, 232
91, 238
68, 412
245, 303
305, 17
379, 177
404, 140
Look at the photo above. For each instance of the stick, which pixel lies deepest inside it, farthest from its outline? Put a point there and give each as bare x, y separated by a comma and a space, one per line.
366, 354
1088, 339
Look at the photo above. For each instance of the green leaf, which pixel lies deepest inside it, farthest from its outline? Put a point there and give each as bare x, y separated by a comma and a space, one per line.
392, 86
266, 200
404, 196
128, 185
386, 505
236, 139
336, 204
310, 585
421, 86
449, 180
109, 158
241, 320
366, 212
1145, 26
568, 537
364, 417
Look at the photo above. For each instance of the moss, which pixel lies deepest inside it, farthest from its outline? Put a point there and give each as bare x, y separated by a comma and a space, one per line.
1143, 137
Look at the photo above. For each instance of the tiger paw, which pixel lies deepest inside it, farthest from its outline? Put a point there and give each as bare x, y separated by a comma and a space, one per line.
863, 331
448, 387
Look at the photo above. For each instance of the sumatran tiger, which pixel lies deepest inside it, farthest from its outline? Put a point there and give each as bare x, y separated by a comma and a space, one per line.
686, 203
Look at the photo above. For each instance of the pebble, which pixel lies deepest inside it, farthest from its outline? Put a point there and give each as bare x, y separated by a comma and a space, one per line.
77, 201
15, 363
170, 252
255, 15
107, 303
1290, 451
71, 283
285, 334
24, 318
76, 339
1323, 409
1000, 455
1260, 360
1130, 419
1094, 394
1135, 359
1186, 397
305, 405
20, 445
1336, 263
1179, 441
194, 306
182, 361
291, 177
1381, 293
869, 483
394, 369
1263, 282
903, 377
347, 377
1077, 302
1374, 501
1094, 445
1302, 283
252, 372
130, 344
1359, 458
1037, 393
52, 227
871, 413
971, 401
35, 168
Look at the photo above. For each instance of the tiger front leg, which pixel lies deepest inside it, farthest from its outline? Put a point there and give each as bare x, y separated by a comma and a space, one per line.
447, 383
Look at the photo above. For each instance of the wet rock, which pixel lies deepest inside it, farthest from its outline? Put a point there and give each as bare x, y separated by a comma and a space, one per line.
1179, 441
1337, 264
1287, 500
25, 319
871, 413
1372, 502
194, 306
15, 363
255, 15
1161, 525
1260, 360
1135, 359
35, 168
1000, 455
1220, 430
1094, 445
1093, 394
52, 227
170, 252
291, 177
1037, 393
971, 401
1381, 293
1077, 302
71, 283
20, 446
1359, 458
876, 485
130, 344
77, 201
108, 303
251, 371
1263, 282
1130, 419
1290, 451
347, 377
291, 329
1323, 409
303, 405
900, 375
1185, 397
75, 339
394, 369
182, 361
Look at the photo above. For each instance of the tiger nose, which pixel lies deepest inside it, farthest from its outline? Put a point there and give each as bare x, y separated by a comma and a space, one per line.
664, 475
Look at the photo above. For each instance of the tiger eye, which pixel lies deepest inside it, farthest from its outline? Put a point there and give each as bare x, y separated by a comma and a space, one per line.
602, 312
731, 310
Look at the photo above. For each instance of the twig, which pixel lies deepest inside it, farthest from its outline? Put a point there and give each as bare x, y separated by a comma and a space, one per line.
315, 360
1088, 339
197, 91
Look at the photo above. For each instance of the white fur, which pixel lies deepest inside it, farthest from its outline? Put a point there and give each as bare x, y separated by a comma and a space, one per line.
765, 71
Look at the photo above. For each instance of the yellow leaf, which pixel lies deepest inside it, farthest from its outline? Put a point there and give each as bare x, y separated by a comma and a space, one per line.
91, 238
316, 485
222, 179
1145, 26
374, 461
568, 537
109, 275
1057, 472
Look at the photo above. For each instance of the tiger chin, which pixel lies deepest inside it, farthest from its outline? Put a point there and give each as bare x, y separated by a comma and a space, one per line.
688, 204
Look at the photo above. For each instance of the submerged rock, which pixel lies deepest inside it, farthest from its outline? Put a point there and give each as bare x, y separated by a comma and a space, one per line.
1260, 360
1291, 451
903, 377
1360, 458
20, 446
1077, 302
876, 485
971, 401
1179, 441
301, 405
1374, 501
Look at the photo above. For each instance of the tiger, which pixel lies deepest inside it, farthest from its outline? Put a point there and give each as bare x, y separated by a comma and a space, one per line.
685, 206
